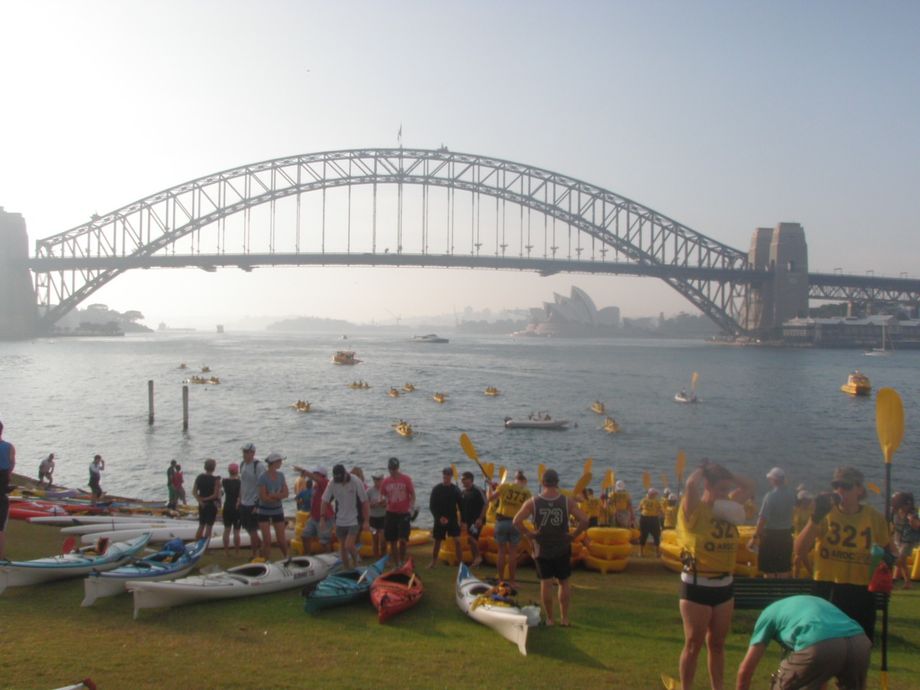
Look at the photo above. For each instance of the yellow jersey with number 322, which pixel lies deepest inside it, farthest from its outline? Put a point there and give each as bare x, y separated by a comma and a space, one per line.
712, 541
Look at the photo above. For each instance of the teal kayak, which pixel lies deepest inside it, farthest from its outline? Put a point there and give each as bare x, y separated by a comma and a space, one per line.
342, 587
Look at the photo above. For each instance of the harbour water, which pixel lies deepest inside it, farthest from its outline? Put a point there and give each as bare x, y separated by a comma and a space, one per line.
759, 407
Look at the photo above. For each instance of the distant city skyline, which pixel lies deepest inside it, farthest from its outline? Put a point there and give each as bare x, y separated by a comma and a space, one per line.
723, 116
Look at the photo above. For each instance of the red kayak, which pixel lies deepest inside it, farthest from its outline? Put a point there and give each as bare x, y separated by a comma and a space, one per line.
396, 591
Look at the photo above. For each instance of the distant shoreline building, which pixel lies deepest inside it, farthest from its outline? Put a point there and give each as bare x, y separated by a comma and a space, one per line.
575, 316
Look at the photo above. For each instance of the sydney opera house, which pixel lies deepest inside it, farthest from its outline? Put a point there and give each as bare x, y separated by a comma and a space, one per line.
574, 316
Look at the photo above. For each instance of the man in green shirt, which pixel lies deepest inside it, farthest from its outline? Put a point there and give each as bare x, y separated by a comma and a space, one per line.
824, 643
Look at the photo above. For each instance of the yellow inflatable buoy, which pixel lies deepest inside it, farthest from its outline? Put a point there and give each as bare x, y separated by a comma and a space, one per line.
605, 566
609, 551
609, 535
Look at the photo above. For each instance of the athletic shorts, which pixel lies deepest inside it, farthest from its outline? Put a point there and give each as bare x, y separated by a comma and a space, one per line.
451, 529
397, 526
854, 600
231, 517
649, 525
207, 513
248, 518
377, 523
843, 658
559, 567
94, 485
4, 511
342, 533
312, 530
505, 533
775, 554
277, 517
706, 596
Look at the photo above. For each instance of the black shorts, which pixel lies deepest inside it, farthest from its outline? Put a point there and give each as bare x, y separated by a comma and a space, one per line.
231, 517
775, 554
706, 596
207, 513
377, 523
94, 486
396, 526
271, 518
248, 518
559, 567
451, 529
854, 600
649, 525
4, 511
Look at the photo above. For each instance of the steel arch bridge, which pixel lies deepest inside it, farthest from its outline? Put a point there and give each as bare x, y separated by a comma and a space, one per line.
594, 222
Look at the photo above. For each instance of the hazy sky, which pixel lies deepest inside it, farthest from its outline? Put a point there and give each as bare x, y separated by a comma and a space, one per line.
723, 115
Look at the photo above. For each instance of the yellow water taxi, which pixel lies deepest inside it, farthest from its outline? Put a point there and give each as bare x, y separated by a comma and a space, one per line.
611, 426
408, 388
344, 357
301, 406
403, 428
440, 397
857, 384
492, 391
393, 392
598, 407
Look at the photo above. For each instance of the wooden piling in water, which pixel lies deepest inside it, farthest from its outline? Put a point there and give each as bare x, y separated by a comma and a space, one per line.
185, 408
150, 401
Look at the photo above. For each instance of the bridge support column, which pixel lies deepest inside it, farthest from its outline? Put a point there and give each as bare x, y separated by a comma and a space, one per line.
784, 251
18, 311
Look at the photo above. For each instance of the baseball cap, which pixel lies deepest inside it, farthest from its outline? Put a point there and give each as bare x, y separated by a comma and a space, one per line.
776, 473
377, 475
274, 457
803, 494
248, 447
653, 491
551, 478
448, 470
393, 463
620, 485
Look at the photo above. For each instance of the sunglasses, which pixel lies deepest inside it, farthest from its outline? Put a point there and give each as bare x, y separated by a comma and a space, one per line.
846, 486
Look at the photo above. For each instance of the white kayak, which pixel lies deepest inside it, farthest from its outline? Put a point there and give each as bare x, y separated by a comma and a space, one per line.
167, 564
158, 535
73, 564
511, 622
551, 424
240, 581
684, 398
69, 520
112, 525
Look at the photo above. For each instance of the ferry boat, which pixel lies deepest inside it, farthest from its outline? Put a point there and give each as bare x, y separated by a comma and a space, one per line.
344, 357
857, 384
430, 338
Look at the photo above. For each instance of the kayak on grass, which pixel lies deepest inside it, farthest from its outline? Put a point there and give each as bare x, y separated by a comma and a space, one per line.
342, 587
396, 591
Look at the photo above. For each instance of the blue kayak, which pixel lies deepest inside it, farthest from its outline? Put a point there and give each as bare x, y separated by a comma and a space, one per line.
174, 560
342, 587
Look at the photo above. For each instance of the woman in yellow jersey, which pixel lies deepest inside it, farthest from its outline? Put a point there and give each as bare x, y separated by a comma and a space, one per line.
650, 521
509, 498
591, 507
620, 508
845, 530
707, 523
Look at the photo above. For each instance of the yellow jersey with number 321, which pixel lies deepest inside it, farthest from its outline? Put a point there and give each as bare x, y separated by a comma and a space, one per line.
712, 541
843, 549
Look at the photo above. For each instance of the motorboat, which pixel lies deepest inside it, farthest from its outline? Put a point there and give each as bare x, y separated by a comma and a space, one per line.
403, 428
440, 398
597, 407
173, 561
495, 607
345, 357
408, 388
430, 338
393, 392
241, 581
492, 391
886, 348
857, 384
611, 426
537, 421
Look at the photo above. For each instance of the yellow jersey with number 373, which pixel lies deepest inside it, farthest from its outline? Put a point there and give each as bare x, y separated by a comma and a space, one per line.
712, 541
843, 548
510, 499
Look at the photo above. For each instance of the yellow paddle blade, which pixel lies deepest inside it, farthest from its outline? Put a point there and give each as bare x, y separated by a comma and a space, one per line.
468, 447
680, 465
453, 469
502, 475
889, 421
694, 379
874, 488
588, 465
664, 480
668, 682
609, 480
646, 480
541, 468
488, 469
582, 484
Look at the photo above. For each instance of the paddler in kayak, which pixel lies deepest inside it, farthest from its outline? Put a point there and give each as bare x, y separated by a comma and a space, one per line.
552, 542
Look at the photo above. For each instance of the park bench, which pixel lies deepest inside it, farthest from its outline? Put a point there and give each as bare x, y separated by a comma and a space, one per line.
760, 592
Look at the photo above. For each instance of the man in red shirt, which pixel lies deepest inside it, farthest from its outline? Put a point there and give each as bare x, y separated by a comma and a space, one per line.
400, 496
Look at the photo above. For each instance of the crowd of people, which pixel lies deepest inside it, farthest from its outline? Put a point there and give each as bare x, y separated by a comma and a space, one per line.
834, 537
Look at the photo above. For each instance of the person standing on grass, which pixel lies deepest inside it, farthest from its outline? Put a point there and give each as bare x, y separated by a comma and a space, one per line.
207, 492
650, 514
620, 508
377, 504
906, 532
250, 471
773, 534
231, 512
472, 514
552, 542
824, 643
273, 489
46, 470
351, 512
444, 503
400, 494
509, 499
96, 468
7, 465
707, 520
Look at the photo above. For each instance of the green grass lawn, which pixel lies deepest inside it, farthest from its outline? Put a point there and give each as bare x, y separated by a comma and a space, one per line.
626, 632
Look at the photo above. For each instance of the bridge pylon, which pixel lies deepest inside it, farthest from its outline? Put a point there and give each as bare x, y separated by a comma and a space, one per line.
784, 253
18, 315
